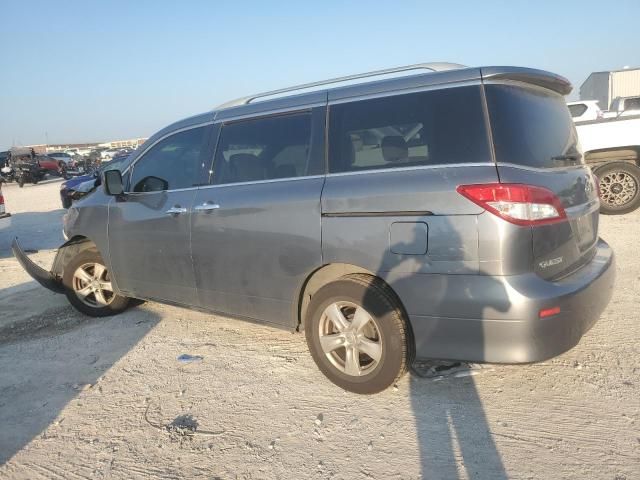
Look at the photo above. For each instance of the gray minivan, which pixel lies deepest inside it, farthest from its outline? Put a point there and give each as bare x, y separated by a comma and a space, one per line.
441, 215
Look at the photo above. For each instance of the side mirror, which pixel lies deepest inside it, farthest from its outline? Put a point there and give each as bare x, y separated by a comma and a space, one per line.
112, 181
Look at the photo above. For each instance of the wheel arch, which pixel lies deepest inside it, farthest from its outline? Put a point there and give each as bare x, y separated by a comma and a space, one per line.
599, 158
325, 275
70, 249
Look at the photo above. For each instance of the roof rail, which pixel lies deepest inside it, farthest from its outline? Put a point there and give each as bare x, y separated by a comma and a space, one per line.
434, 67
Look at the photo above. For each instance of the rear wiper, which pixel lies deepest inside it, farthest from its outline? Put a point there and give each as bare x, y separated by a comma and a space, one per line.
574, 157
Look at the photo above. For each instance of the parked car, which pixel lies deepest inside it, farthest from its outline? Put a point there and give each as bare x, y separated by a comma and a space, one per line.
585, 110
107, 154
52, 166
449, 238
624, 107
72, 152
62, 156
3, 211
27, 170
79, 186
7, 173
611, 148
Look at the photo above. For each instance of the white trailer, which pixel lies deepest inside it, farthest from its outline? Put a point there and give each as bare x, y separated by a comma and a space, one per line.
607, 86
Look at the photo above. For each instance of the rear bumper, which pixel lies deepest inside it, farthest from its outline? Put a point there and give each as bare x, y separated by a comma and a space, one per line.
496, 319
39, 274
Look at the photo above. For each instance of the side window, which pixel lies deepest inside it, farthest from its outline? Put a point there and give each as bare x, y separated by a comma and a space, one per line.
427, 128
577, 109
263, 149
173, 163
632, 104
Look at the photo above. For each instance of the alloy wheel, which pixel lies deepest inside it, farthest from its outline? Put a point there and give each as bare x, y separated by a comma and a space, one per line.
618, 188
350, 338
92, 285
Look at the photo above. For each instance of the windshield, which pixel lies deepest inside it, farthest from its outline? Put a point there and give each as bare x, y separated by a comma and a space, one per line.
114, 165
532, 127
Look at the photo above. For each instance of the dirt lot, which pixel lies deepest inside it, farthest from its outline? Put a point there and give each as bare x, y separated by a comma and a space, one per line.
87, 398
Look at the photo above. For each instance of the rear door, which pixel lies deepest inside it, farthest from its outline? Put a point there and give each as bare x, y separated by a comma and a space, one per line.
536, 144
255, 231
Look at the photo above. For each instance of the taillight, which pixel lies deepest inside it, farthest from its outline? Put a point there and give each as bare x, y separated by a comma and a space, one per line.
517, 203
549, 312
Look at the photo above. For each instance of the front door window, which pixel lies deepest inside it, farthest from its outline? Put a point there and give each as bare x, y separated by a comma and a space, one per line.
172, 164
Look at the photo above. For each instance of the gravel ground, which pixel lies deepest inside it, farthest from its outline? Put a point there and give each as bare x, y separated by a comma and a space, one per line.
107, 398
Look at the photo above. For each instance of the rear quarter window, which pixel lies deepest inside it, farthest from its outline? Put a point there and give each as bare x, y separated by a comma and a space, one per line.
532, 127
439, 127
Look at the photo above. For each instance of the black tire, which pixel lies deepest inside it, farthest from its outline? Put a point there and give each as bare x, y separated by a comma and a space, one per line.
21, 182
614, 178
66, 202
389, 321
116, 303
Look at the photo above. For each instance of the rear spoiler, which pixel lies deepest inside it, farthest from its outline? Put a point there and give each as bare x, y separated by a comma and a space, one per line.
541, 78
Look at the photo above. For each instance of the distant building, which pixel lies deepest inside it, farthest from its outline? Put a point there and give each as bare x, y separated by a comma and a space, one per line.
607, 86
133, 143
61, 147
66, 146
39, 149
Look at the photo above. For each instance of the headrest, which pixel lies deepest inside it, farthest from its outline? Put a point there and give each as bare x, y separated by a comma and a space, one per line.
246, 167
394, 148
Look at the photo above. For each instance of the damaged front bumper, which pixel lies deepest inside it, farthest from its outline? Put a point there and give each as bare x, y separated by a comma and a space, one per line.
45, 278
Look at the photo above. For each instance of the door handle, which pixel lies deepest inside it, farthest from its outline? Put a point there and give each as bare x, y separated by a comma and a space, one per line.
206, 207
177, 210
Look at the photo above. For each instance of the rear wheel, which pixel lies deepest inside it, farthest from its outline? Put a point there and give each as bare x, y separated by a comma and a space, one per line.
619, 184
358, 334
89, 288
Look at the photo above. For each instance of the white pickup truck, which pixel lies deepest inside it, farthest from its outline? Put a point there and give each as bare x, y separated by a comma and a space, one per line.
611, 146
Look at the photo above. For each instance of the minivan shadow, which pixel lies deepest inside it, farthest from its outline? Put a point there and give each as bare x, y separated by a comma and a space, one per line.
452, 432
41, 373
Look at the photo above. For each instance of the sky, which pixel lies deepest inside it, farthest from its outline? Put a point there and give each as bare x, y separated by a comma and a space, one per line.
84, 71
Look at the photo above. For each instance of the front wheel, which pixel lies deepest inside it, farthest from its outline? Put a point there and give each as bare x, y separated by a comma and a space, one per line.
21, 182
89, 288
358, 334
619, 184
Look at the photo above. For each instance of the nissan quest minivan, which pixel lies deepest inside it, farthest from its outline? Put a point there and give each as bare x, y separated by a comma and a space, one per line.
439, 215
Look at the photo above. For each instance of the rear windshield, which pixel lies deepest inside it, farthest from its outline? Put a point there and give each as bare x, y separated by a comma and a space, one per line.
532, 127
